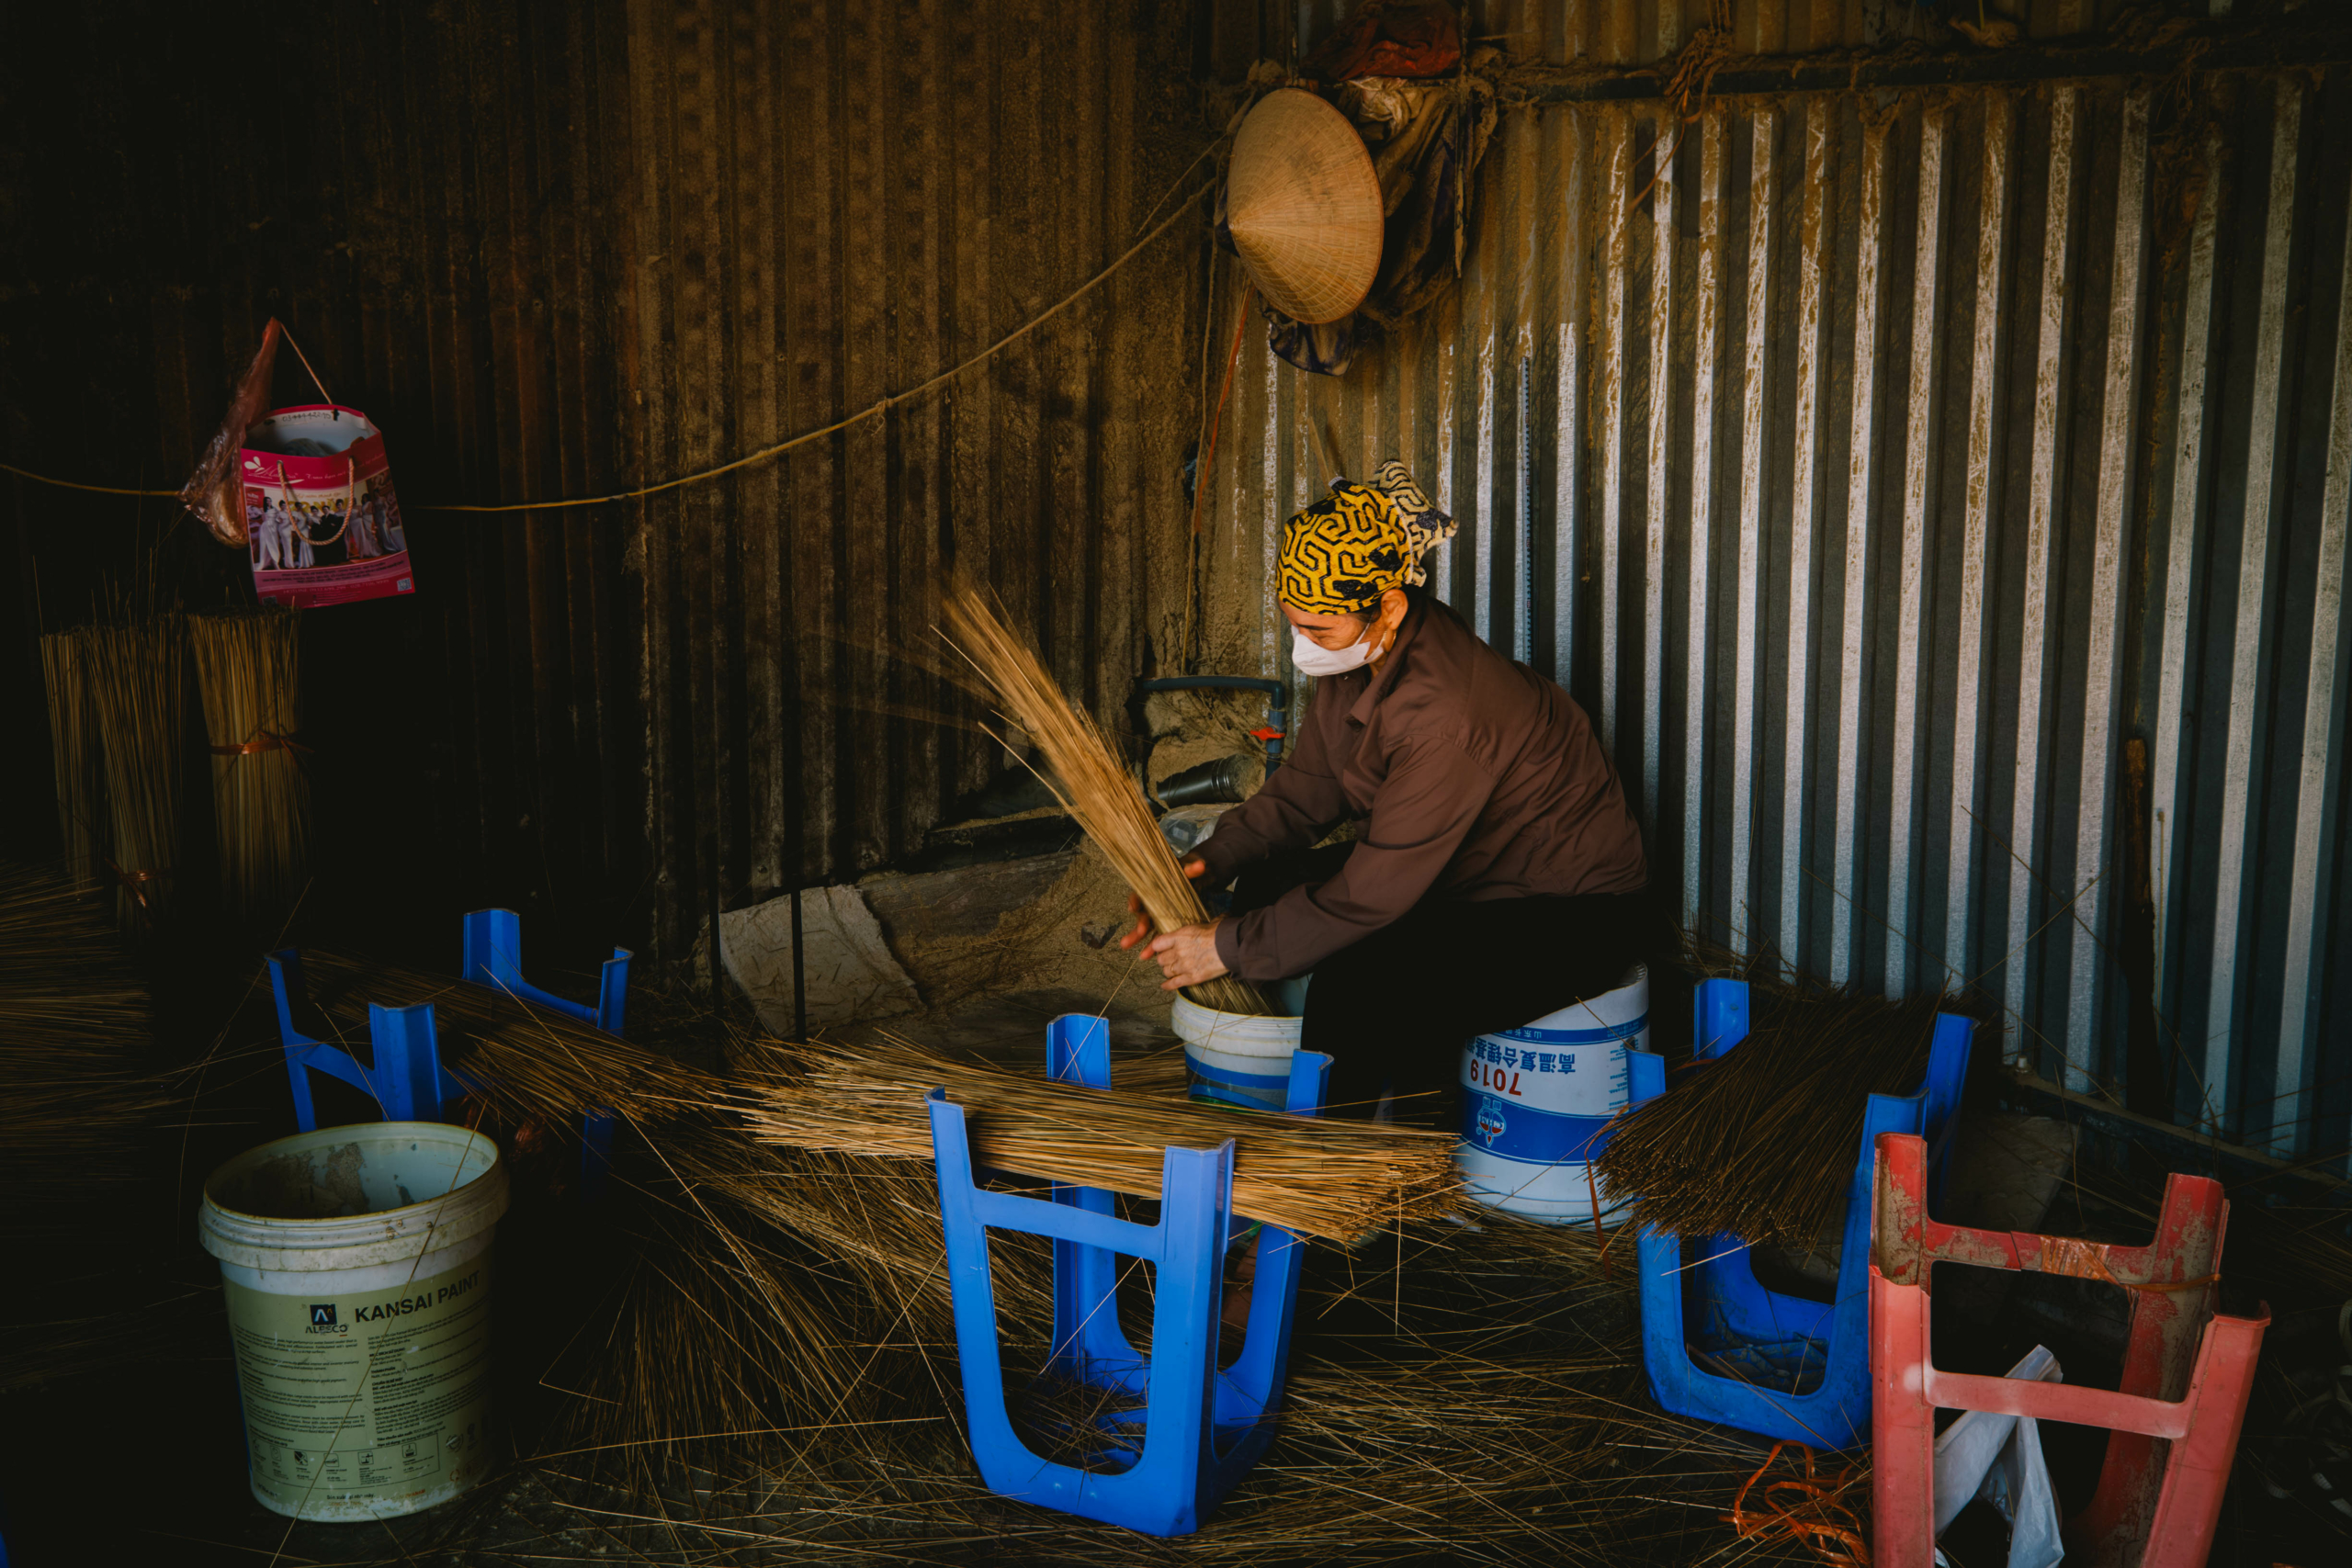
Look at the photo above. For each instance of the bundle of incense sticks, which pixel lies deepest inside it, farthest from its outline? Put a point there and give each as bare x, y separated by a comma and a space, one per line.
79, 763
1081, 769
1338, 1180
249, 671
137, 671
1760, 1142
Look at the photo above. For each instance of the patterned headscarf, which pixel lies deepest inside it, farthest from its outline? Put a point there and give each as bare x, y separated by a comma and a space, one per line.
1341, 554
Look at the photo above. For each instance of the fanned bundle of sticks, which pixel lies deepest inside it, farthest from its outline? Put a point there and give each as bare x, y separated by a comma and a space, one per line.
1761, 1143
736, 1289
1083, 769
249, 671
534, 1062
1338, 1180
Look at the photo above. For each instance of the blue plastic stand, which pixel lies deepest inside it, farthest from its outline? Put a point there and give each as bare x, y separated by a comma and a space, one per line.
1780, 1343
408, 1081
494, 957
1201, 1428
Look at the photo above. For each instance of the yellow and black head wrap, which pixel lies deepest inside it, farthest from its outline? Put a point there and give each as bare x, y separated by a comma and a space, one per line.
1341, 554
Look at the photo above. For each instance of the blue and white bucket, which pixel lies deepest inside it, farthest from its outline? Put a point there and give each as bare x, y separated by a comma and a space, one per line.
1234, 1058
1535, 1102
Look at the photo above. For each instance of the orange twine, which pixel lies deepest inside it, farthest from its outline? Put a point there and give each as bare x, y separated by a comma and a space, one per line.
1784, 1520
265, 740
133, 883
2080, 1259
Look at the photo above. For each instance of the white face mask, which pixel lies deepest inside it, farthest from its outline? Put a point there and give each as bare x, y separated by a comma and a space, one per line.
1313, 658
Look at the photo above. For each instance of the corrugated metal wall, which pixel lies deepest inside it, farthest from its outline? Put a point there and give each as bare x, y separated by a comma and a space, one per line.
1875, 476
561, 251
833, 205
1632, 32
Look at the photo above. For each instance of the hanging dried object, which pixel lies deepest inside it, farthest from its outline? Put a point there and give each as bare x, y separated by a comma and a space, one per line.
215, 492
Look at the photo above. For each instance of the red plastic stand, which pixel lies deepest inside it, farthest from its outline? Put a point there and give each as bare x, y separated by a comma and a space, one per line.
2175, 1419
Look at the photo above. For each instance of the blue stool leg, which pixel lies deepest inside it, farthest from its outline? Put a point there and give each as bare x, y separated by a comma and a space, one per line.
1720, 1007
492, 957
1087, 1346
596, 1153
1251, 1390
1180, 1458
971, 1286
612, 993
493, 952
408, 1062
285, 974
596, 1126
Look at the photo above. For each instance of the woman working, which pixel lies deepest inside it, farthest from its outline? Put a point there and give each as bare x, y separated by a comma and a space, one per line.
1498, 875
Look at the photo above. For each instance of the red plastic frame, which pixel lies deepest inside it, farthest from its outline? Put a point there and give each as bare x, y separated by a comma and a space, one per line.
2186, 1372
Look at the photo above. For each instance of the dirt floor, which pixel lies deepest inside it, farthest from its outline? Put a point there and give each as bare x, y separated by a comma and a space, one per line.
1469, 1394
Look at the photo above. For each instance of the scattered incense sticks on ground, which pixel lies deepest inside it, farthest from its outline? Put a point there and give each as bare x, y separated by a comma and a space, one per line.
248, 669
74, 1014
82, 1112
1085, 774
1761, 1143
79, 765
1335, 1179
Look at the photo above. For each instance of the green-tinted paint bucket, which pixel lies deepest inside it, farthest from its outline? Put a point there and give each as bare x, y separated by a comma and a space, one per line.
357, 1264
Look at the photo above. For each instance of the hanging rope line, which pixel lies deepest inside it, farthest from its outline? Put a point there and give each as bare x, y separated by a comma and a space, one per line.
69, 484
765, 453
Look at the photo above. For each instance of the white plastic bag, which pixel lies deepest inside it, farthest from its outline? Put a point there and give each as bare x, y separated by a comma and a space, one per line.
1999, 1458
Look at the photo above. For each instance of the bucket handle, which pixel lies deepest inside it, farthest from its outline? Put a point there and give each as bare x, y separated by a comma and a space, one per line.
350, 495
324, 396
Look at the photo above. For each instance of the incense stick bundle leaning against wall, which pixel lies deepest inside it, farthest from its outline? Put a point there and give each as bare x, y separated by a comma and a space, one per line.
248, 668
1085, 772
80, 764
138, 670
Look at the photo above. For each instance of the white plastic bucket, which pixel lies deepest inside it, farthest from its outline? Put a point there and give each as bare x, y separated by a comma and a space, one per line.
1234, 1058
1534, 1100
357, 1265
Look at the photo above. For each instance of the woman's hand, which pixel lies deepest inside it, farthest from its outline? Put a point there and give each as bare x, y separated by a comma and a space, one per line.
1187, 955
1194, 867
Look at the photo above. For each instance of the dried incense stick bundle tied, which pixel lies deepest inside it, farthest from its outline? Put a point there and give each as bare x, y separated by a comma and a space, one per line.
1085, 774
1338, 1180
79, 763
1761, 1143
136, 671
248, 669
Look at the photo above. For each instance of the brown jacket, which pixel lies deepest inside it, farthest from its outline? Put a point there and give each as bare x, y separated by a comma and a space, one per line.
1475, 778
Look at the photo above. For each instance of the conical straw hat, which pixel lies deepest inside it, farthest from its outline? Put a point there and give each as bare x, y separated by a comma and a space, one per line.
1302, 206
